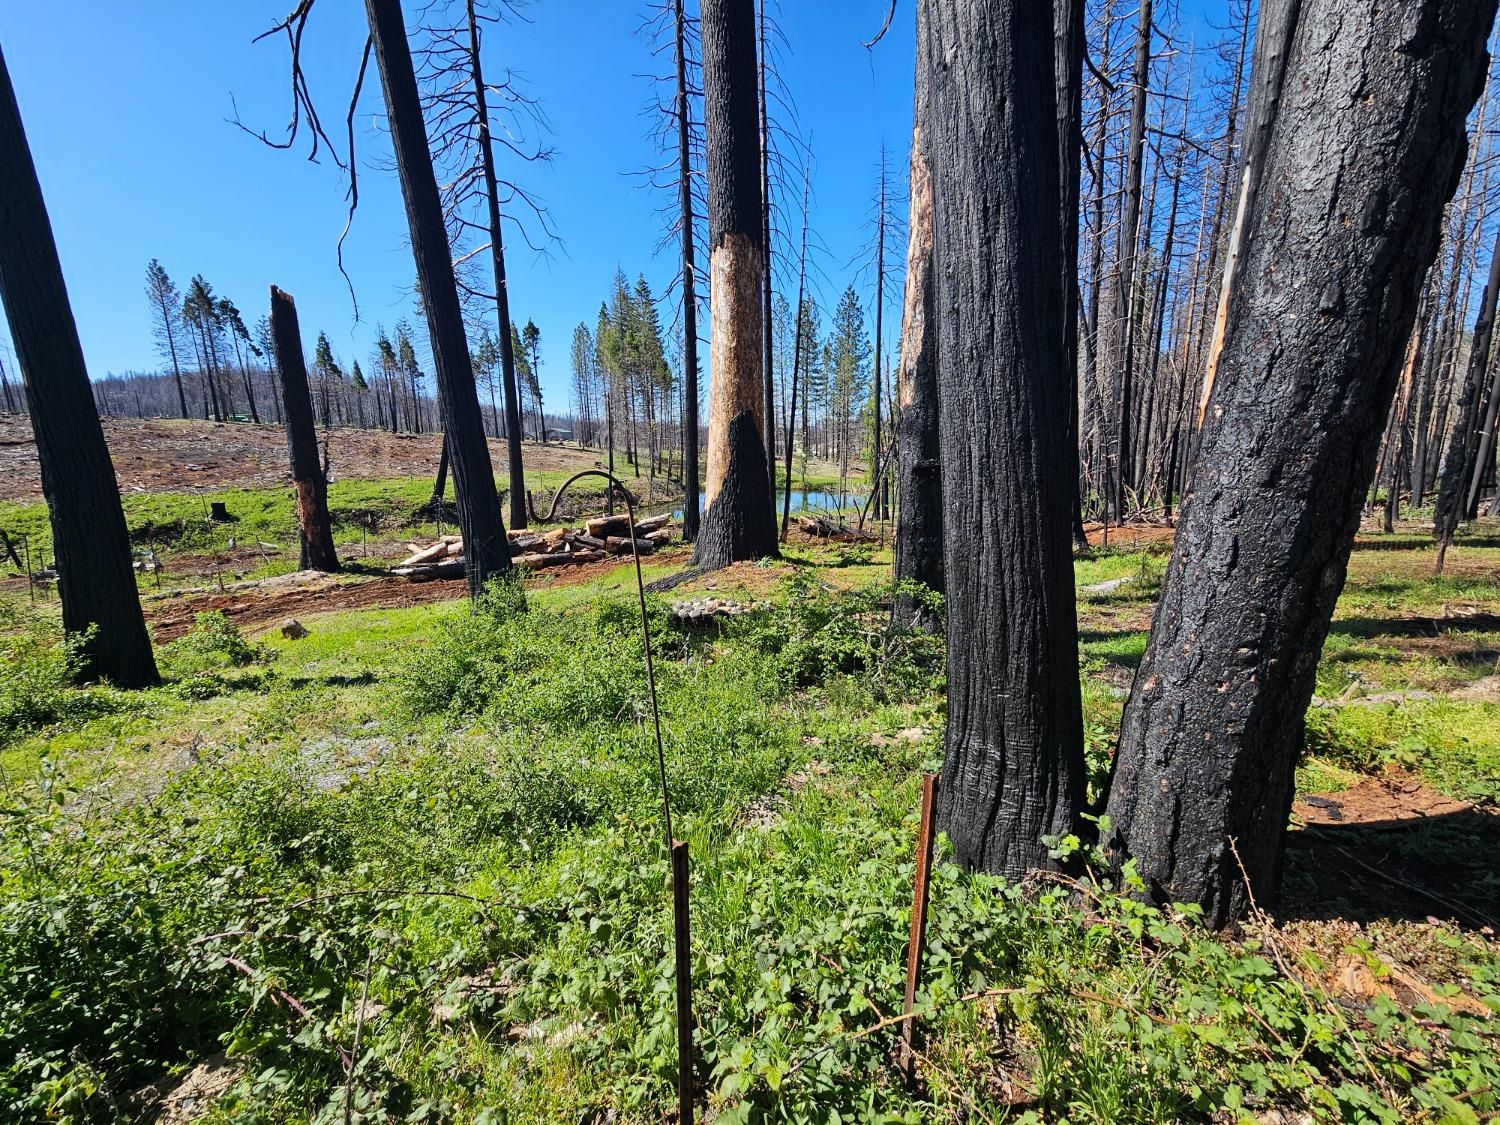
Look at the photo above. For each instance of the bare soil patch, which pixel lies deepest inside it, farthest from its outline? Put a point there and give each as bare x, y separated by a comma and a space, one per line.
1392, 848
271, 603
162, 455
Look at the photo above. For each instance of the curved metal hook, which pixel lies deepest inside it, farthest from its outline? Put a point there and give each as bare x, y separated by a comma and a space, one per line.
640, 588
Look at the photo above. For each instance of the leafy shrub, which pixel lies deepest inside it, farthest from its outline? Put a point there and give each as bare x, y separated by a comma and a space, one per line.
215, 642
37, 668
814, 633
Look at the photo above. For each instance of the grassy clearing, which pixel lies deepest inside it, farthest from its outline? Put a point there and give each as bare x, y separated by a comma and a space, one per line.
439, 832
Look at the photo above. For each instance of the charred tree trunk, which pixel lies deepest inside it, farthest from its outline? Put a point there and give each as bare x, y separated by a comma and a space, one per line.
486, 552
919, 486
301, 437
1463, 446
96, 581
440, 484
797, 334
1013, 768
1349, 179
689, 291
1068, 47
516, 472
767, 327
1125, 272
739, 521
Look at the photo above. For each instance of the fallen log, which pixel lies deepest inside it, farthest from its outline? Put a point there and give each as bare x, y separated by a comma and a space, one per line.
448, 568
607, 526
617, 545
652, 523
426, 555
825, 528
535, 560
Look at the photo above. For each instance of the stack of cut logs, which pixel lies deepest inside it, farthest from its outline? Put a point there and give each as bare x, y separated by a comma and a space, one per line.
532, 550
698, 612
825, 528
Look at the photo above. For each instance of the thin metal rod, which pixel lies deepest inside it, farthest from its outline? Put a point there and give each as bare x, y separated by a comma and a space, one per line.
908, 1054
640, 589
684, 983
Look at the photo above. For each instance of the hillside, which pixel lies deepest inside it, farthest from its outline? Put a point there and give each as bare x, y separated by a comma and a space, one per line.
170, 455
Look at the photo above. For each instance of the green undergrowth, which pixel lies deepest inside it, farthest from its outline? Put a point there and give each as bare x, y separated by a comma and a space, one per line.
412, 868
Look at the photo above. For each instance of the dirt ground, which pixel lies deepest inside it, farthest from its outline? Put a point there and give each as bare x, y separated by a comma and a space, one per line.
1390, 847
270, 603
261, 605
175, 456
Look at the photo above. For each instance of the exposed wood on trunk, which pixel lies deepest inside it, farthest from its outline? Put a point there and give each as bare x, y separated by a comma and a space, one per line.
739, 521
919, 486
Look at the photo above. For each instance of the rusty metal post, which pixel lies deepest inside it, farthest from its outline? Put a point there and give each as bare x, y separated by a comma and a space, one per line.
684, 983
907, 1058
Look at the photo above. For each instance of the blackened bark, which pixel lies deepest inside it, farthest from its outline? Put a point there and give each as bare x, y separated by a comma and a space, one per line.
689, 290
502, 288
308, 480
96, 582
440, 484
739, 521
1464, 445
767, 330
919, 486
797, 341
1125, 272
1068, 47
486, 552
1358, 162
1013, 769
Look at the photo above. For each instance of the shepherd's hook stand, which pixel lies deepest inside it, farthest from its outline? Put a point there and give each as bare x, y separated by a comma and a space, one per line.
677, 850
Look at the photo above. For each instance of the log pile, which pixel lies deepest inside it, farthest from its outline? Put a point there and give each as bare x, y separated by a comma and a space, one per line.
696, 613
822, 527
534, 550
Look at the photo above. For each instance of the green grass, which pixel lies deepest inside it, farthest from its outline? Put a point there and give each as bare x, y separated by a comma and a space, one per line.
450, 822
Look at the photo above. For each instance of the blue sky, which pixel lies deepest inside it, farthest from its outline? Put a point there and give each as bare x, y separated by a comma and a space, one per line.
127, 108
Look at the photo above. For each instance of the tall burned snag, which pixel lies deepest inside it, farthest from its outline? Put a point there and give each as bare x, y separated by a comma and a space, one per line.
311, 486
690, 470
1013, 768
1347, 176
919, 490
738, 520
486, 551
96, 581
470, 117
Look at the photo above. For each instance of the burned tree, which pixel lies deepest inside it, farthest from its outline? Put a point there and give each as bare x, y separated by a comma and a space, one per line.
1013, 768
738, 521
1463, 449
485, 548
919, 492
464, 140
689, 281
96, 581
311, 486
1347, 171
